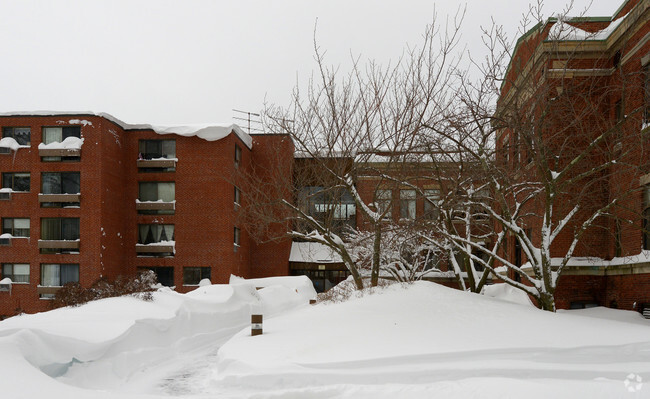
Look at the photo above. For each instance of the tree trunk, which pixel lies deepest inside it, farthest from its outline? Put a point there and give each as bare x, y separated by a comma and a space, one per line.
374, 275
546, 301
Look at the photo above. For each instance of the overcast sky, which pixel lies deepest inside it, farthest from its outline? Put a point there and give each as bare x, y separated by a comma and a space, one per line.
176, 62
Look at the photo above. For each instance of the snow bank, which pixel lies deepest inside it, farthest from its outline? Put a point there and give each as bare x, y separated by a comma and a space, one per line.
433, 339
103, 343
507, 293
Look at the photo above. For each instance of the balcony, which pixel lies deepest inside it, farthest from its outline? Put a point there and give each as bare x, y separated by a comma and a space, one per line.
157, 163
59, 152
159, 205
59, 198
163, 248
66, 245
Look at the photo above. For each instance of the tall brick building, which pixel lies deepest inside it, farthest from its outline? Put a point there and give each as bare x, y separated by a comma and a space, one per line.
600, 65
86, 196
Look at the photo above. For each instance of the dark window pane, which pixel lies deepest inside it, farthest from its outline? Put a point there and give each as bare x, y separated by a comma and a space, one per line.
21, 182
69, 273
7, 180
70, 228
50, 229
71, 131
70, 183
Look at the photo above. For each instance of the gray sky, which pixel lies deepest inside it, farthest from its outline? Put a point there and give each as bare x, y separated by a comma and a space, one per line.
174, 62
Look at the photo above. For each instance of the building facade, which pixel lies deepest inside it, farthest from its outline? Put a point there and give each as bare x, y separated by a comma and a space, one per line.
86, 196
601, 67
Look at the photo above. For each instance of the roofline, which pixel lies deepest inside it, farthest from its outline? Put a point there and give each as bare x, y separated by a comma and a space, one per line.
553, 20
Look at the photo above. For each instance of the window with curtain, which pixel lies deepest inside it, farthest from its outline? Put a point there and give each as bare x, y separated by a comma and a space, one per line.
155, 233
407, 204
16, 181
152, 149
383, 199
431, 196
60, 182
17, 272
155, 191
58, 134
57, 275
22, 135
17, 227
60, 229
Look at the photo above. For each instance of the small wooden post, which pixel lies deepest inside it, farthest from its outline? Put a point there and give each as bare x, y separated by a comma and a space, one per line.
256, 325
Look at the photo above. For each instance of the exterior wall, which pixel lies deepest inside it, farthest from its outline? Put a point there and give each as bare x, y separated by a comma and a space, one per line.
606, 73
204, 218
272, 155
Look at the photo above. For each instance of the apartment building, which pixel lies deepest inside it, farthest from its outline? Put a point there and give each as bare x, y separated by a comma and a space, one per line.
599, 66
86, 196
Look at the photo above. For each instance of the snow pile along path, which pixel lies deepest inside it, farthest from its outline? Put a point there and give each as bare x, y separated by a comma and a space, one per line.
105, 344
425, 338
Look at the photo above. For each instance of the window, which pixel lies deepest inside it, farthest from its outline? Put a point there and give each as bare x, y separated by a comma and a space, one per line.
236, 237
646, 72
60, 229
165, 275
407, 204
334, 208
194, 275
155, 149
57, 275
237, 155
157, 191
155, 233
17, 272
237, 196
58, 134
383, 199
16, 227
618, 110
20, 134
646, 217
16, 181
431, 197
60, 183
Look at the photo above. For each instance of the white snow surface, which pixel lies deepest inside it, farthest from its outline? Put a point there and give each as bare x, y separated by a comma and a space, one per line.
313, 252
70, 143
507, 293
205, 131
10, 142
417, 341
562, 30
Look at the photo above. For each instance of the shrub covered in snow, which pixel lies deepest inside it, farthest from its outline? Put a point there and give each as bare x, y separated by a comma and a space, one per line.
347, 289
139, 286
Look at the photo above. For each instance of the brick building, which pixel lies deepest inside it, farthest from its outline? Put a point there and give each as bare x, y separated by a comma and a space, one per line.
87, 196
602, 66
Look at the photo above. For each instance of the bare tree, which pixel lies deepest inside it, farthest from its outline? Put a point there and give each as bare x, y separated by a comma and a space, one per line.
340, 125
556, 161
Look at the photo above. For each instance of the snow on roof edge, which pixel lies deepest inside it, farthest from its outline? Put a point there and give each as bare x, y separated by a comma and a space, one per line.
206, 131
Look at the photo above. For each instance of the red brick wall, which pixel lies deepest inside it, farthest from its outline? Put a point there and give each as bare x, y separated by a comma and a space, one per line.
204, 220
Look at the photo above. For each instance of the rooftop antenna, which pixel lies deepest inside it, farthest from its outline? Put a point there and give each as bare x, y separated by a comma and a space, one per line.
249, 118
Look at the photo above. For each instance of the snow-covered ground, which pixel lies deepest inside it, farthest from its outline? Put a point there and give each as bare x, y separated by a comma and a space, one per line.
416, 341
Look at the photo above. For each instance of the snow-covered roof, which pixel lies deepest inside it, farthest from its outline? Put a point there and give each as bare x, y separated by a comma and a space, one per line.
205, 131
313, 252
564, 31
